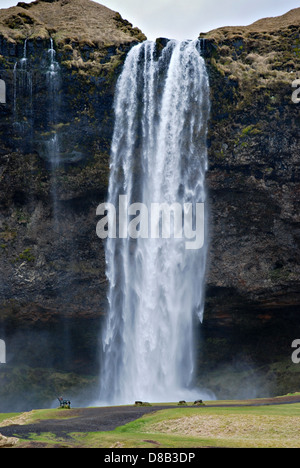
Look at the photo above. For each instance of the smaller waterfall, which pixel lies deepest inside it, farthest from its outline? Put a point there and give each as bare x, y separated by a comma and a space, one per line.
24, 59
53, 154
53, 69
52, 145
23, 107
53, 86
15, 90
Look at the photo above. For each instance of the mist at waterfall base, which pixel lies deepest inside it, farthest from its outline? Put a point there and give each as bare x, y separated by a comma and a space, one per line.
156, 286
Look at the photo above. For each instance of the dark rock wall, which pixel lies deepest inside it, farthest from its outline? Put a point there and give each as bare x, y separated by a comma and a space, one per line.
52, 265
253, 281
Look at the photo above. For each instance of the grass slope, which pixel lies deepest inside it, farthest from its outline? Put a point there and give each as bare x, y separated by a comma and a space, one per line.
73, 20
274, 426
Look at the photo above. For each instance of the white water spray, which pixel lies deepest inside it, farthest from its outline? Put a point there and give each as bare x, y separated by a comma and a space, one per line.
156, 285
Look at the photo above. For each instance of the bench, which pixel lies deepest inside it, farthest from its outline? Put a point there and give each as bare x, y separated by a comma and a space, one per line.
64, 403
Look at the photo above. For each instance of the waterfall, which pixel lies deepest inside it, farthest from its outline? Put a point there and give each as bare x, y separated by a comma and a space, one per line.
23, 108
156, 286
54, 157
53, 85
52, 144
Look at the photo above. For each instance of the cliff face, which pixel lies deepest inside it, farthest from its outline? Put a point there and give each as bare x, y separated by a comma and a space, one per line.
254, 274
254, 160
52, 265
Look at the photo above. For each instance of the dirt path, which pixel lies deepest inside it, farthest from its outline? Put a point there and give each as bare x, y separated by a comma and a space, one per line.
82, 420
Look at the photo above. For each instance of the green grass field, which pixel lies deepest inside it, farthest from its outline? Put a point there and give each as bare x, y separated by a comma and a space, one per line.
274, 426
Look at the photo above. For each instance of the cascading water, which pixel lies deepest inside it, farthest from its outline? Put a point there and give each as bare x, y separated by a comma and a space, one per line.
53, 84
52, 145
53, 156
156, 285
22, 93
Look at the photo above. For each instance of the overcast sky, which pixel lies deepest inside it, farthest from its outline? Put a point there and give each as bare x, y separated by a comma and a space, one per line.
185, 19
